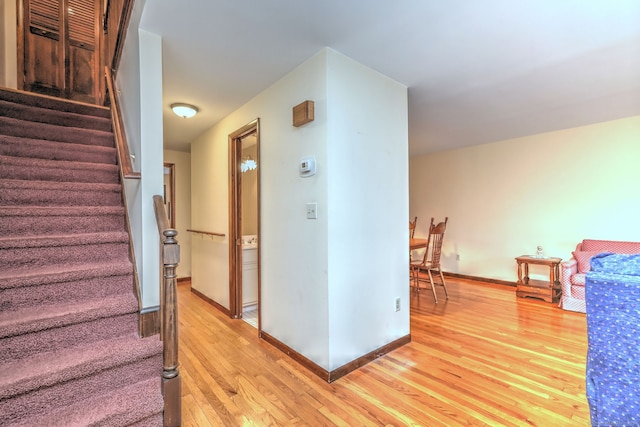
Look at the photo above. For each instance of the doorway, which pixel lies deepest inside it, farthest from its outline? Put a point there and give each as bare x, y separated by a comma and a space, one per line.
244, 223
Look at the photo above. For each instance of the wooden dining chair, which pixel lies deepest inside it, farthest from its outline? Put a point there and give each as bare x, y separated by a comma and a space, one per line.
431, 260
412, 227
412, 232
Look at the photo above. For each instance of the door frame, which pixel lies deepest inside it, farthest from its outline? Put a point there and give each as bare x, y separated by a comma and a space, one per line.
235, 217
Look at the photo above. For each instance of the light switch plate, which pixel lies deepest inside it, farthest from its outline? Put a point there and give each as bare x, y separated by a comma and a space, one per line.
312, 211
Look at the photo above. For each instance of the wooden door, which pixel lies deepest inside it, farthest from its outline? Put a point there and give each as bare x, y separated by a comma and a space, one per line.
60, 49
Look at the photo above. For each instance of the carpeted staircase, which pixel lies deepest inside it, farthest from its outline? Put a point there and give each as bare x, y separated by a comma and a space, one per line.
70, 353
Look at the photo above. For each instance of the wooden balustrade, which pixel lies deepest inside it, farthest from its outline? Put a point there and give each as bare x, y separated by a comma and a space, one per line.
170, 258
117, 14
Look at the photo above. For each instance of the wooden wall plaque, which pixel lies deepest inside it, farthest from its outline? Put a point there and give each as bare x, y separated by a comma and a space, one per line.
303, 113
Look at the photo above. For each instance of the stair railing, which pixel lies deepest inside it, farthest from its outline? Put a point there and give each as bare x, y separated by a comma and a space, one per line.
170, 257
122, 147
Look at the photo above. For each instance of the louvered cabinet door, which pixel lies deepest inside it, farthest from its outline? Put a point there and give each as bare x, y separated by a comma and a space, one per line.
83, 50
44, 48
61, 48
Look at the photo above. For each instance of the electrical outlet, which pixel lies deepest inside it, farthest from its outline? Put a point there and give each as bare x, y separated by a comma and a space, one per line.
457, 257
398, 304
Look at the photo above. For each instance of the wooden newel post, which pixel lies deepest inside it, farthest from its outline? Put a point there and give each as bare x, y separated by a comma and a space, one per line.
170, 254
169, 332
171, 258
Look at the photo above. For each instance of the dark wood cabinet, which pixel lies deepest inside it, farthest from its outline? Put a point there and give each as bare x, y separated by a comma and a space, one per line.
59, 46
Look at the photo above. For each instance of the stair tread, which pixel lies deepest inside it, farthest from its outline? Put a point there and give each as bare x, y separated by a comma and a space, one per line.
58, 273
31, 221
57, 170
53, 129
25, 345
54, 163
49, 211
49, 132
42, 148
45, 101
63, 240
35, 113
54, 185
41, 402
65, 364
121, 407
26, 320
14, 192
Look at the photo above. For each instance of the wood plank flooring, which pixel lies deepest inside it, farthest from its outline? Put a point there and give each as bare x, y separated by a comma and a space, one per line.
481, 358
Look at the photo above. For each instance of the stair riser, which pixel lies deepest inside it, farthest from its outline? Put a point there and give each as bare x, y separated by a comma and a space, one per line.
80, 361
134, 405
20, 196
45, 115
41, 401
85, 272
21, 258
23, 346
20, 128
34, 225
41, 149
153, 421
35, 100
61, 293
59, 174
27, 321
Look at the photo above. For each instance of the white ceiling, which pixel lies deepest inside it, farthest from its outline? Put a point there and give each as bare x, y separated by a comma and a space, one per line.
477, 70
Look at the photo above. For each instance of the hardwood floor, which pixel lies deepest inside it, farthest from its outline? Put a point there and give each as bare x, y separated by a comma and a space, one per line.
484, 357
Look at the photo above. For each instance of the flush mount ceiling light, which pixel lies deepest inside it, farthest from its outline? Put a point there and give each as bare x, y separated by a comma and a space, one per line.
184, 110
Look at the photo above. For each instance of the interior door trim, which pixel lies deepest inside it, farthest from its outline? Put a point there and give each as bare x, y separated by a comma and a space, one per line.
235, 219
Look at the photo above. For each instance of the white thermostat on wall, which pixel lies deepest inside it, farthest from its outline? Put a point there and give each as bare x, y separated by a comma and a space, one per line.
307, 166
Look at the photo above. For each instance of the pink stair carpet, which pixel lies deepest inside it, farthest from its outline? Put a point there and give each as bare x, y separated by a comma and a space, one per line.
69, 347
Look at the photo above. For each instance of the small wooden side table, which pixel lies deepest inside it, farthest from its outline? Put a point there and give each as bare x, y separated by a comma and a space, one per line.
549, 291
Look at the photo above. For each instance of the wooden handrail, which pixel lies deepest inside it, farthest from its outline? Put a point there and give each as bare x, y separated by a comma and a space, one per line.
117, 15
161, 215
122, 148
170, 258
209, 233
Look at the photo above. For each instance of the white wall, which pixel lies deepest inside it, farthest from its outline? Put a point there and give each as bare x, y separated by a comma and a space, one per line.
141, 103
293, 250
127, 86
307, 292
294, 268
182, 162
367, 171
151, 162
8, 45
553, 189
209, 212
